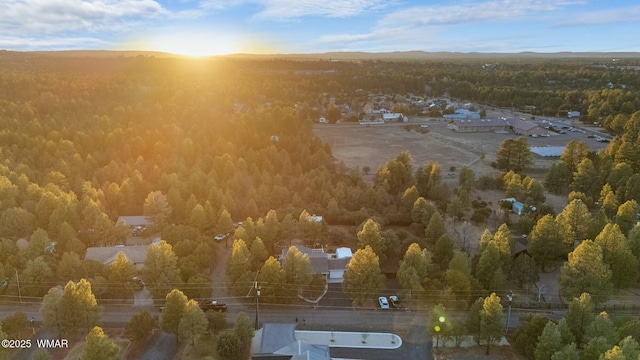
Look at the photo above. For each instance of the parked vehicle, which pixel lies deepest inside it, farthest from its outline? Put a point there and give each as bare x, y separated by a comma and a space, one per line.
395, 301
384, 304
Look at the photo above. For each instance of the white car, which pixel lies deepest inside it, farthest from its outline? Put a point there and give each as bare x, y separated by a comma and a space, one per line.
220, 237
384, 304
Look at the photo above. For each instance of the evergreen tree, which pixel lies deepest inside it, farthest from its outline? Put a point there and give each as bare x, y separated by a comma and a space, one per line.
193, 322
259, 254
297, 269
602, 326
36, 273
549, 342
514, 154
574, 152
443, 251
160, 270
568, 352
626, 217
435, 228
121, 273
491, 322
363, 278
473, 321
579, 315
173, 311
157, 209
466, 178
272, 281
414, 269
617, 255
586, 272
78, 308
548, 241
488, 264
371, 235
99, 347
575, 217
526, 335
140, 327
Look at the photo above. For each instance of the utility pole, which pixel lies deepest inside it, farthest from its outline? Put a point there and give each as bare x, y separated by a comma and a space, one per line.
510, 297
18, 282
257, 326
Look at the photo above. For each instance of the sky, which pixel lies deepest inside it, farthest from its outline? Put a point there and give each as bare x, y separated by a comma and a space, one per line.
215, 27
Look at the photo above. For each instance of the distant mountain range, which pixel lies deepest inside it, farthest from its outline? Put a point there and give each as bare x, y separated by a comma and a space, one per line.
344, 56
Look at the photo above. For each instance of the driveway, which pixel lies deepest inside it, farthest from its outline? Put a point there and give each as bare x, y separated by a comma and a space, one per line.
162, 346
142, 298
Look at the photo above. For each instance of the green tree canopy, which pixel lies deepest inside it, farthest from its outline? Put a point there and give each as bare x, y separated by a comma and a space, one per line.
514, 154
160, 270
414, 269
140, 327
297, 269
363, 278
586, 272
579, 315
575, 217
157, 209
193, 322
491, 322
98, 346
121, 274
173, 311
371, 235
549, 342
548, 240
272, 281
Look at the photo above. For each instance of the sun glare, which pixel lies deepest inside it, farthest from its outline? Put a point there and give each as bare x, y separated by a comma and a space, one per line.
194, 45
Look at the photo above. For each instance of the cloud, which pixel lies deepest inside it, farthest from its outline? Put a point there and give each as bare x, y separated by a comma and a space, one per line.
60, 16
418, 27
465, 13
288, 9
52, 43
612, 16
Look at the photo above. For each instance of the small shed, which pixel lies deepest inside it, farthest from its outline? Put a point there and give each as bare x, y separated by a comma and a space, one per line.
517, 207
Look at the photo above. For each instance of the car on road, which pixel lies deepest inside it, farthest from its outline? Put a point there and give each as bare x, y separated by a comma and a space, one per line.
384, 304
395, 301
220, 237
213, 306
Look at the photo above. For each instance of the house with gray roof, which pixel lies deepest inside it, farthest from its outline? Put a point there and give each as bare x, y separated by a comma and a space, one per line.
107, 254
278, 341
331, 266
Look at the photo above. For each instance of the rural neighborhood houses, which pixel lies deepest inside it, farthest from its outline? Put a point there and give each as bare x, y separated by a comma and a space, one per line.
137, 224
107, 254
331, 266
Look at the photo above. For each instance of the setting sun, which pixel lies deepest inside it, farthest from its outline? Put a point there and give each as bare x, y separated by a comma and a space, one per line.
192, 44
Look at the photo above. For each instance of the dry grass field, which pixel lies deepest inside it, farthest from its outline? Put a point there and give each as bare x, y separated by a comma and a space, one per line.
372, 145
